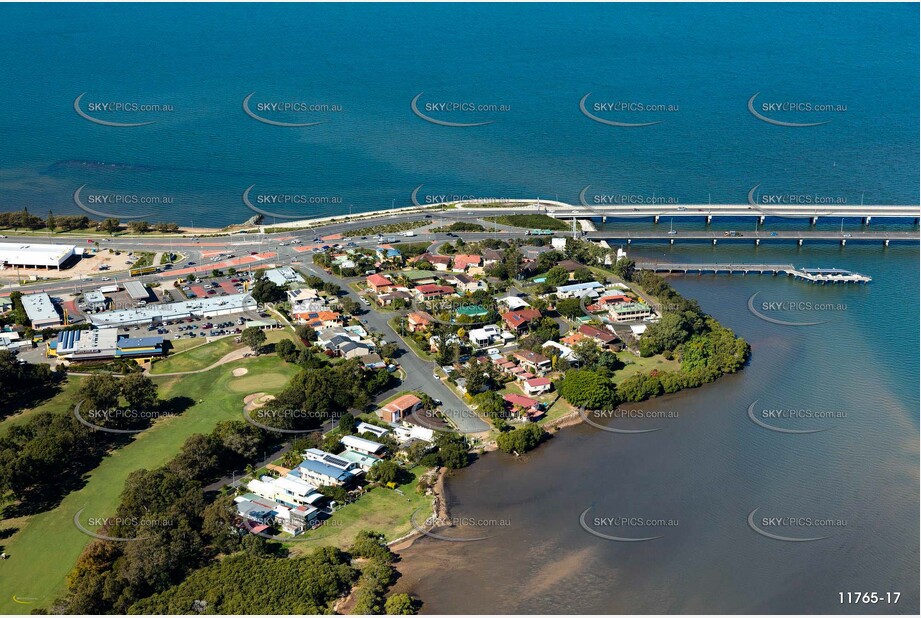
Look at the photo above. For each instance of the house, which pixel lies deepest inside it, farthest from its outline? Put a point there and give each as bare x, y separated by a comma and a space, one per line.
355, 349
490, 257
519, 320
317, 320
602, 337
373, 361
570, 266
562, 351
514, 303
536, 386
573, 338
625, 312
418, 277
486, 336
364, 461
440, 262
466, 283
362, 445
464, 262
399, 408
606, 301
408, 432
372, 429
431, 290
537, 363
530, 252
336, 461
578, 290
418, 321
322, 473
520, 403
379, 283
388, 253
387, 299
285, 489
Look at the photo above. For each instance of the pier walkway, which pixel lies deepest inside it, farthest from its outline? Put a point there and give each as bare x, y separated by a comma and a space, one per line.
813, 275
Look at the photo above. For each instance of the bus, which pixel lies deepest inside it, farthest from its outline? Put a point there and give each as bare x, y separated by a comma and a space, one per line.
144, 270
540, 233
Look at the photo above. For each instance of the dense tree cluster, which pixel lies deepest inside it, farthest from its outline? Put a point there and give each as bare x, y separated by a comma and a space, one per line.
247, 584
22, 382
521, 440
173, 530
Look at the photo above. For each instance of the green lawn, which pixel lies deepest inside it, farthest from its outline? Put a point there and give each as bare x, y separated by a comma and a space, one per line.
46, 547
533, 221
383, 510
61, 402
196, 358
637, 364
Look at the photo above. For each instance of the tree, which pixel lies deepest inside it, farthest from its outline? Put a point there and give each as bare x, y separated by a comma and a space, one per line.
400, 604
346, 423
386, 471
265, 291
521, 440
254, 337
557, 276
305, 333
588, 389
139, 227
588, 352
349, 305
491, 404
110, 225
569, 307
101, 391
286, 350
139, 391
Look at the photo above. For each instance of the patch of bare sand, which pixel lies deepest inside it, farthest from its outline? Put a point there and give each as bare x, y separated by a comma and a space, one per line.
240, 371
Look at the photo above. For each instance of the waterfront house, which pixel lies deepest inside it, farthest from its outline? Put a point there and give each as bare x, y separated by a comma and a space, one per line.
602, 337
322, 473
399, 408
536, 386
626, 312
362, 445
374, 430
591, 289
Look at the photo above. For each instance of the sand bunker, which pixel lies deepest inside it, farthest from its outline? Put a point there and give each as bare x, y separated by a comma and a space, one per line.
240, 371
256, 400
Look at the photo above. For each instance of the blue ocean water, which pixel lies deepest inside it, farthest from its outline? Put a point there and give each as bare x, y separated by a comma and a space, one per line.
372, 60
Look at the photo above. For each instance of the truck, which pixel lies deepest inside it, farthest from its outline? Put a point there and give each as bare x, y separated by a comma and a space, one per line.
539, 233
409, 233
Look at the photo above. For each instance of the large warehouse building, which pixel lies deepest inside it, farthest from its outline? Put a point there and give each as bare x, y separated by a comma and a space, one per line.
32, 255
155, 314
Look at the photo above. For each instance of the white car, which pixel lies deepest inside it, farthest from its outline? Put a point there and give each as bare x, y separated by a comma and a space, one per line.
106, 279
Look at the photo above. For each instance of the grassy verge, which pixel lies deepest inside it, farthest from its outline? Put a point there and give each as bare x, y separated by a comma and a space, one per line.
638, 364
534, 221
47, 545
381, 509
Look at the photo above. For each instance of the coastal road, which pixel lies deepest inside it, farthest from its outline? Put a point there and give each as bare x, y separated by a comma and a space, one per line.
418, 372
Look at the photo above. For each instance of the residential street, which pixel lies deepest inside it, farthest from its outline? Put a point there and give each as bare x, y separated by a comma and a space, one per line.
418, 372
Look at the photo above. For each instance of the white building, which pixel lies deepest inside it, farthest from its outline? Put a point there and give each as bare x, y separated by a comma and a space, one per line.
33, 255
41, 310
199, 307
283, 276
486, 336
94, 300
368, 447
